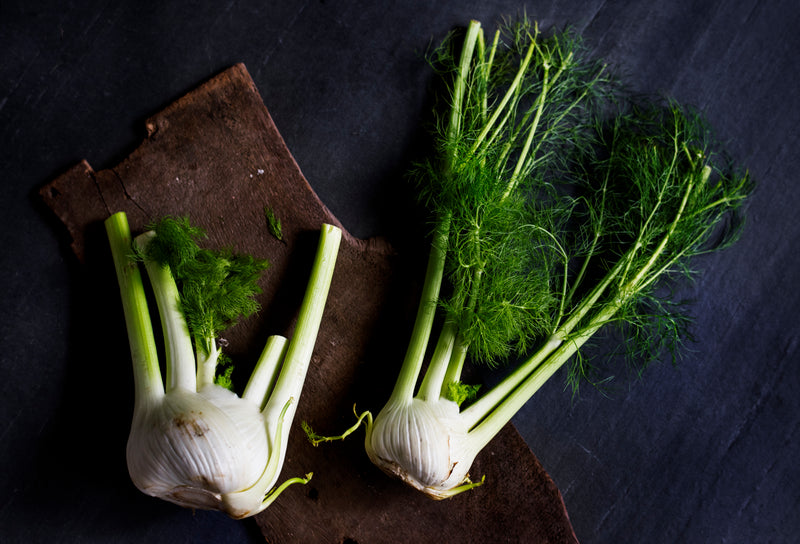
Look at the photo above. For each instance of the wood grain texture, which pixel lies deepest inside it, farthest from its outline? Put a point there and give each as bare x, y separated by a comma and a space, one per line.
216, 156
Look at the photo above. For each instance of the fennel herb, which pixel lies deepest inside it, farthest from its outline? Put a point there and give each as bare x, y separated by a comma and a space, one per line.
523, 108
558, 208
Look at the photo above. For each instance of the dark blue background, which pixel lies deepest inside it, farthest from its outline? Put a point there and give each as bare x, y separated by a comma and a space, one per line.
702, 452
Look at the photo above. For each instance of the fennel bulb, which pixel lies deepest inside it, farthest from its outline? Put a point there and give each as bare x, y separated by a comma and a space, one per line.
193, 442
424, 444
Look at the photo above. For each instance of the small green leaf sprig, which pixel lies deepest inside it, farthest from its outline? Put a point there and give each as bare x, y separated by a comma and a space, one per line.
217, 287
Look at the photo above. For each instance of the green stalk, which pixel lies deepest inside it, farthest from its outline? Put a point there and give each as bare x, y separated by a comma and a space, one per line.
547, 361
146, 373
725, 201
489, 401
479, 410
282, 403
487, 416
640, 276
512, 90
483, 70
460, 86
514, 180
659, 200
426, 312
207, 353
456, 364
557, 121
181, 371
266, 370
451, 371
460, 348
298, 355
458, 353
432, 382
488, 428
486, 72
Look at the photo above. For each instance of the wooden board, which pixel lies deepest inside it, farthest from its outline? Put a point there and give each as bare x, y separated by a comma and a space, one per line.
216, 156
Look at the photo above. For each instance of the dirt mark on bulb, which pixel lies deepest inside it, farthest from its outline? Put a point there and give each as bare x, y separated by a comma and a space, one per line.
190, 424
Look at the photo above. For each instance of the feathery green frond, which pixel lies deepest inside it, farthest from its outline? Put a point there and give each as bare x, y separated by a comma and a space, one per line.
217, 287
664, 203
526, 106
559, 210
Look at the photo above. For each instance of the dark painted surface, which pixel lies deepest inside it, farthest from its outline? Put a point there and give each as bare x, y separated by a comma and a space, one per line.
704, 452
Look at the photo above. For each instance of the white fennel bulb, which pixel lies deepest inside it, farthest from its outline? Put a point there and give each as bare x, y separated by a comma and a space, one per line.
423, 443
194, 442
197, 448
